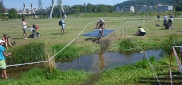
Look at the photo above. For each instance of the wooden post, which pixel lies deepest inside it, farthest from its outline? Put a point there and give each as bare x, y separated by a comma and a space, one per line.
49, 63
78, 37
170, 68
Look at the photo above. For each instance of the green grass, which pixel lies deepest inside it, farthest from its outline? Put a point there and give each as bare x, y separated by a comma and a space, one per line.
51, 36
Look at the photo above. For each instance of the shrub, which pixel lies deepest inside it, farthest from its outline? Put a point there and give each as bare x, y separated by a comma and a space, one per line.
31, 52
70, 52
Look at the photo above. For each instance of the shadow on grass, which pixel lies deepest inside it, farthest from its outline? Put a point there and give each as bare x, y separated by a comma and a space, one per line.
17, 38
179, 31
94, 40
163, 29
56, 34
164, 79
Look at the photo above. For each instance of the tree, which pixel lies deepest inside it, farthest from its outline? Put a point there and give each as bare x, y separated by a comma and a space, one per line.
77, 8
1, 9
90, 8
178, 5
13, 13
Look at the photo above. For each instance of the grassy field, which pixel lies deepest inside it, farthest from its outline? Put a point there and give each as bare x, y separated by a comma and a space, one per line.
125, 27
50, 30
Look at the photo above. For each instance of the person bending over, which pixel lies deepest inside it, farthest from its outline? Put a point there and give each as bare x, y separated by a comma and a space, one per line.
141, 31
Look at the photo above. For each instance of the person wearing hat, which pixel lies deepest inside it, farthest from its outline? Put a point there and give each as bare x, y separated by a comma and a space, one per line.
101, 25
2, 60
141, 31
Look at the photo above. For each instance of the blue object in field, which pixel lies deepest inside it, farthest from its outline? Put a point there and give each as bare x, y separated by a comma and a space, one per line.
96, 32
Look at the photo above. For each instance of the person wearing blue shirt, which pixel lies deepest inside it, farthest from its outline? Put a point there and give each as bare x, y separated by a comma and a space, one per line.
2, 60
63, 25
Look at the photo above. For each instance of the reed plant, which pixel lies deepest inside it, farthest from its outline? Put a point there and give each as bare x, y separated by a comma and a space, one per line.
31, 52
67, 54
169, 41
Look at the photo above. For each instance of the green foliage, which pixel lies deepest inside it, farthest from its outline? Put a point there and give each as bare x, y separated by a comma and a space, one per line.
31, 52
135, 44
145, 63
126, 44
171, 40
13, 13
33, 73
21, 16
55, 74
142, 64
44, 77
68, 53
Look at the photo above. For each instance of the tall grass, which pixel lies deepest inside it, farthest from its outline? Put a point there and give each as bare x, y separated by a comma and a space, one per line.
26, 53
69, 53
166, 44
38, 76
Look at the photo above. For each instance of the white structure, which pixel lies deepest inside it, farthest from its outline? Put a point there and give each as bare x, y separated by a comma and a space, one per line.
164, 8
129, 9
29, 10
50, 16
160, 8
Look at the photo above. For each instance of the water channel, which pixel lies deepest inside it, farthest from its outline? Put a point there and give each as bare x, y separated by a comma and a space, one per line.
99, 62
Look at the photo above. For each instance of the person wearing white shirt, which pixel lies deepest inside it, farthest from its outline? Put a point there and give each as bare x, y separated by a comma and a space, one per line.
141, 31
165, 17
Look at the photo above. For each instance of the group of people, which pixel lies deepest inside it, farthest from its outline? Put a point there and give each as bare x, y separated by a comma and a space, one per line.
4, 43
167, 23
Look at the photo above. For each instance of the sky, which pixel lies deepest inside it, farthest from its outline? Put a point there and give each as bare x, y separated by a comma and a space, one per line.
18, 4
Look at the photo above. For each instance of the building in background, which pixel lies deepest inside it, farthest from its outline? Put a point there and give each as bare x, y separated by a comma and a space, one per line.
164, 8
129, 9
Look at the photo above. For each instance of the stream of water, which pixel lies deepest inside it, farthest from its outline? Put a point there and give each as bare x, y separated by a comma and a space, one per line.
99, 62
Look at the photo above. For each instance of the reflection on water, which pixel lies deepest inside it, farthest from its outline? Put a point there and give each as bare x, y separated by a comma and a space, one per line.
107, 60
101, 64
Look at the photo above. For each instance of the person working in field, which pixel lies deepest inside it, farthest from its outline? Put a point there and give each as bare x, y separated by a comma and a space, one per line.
141, 31
101, 26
